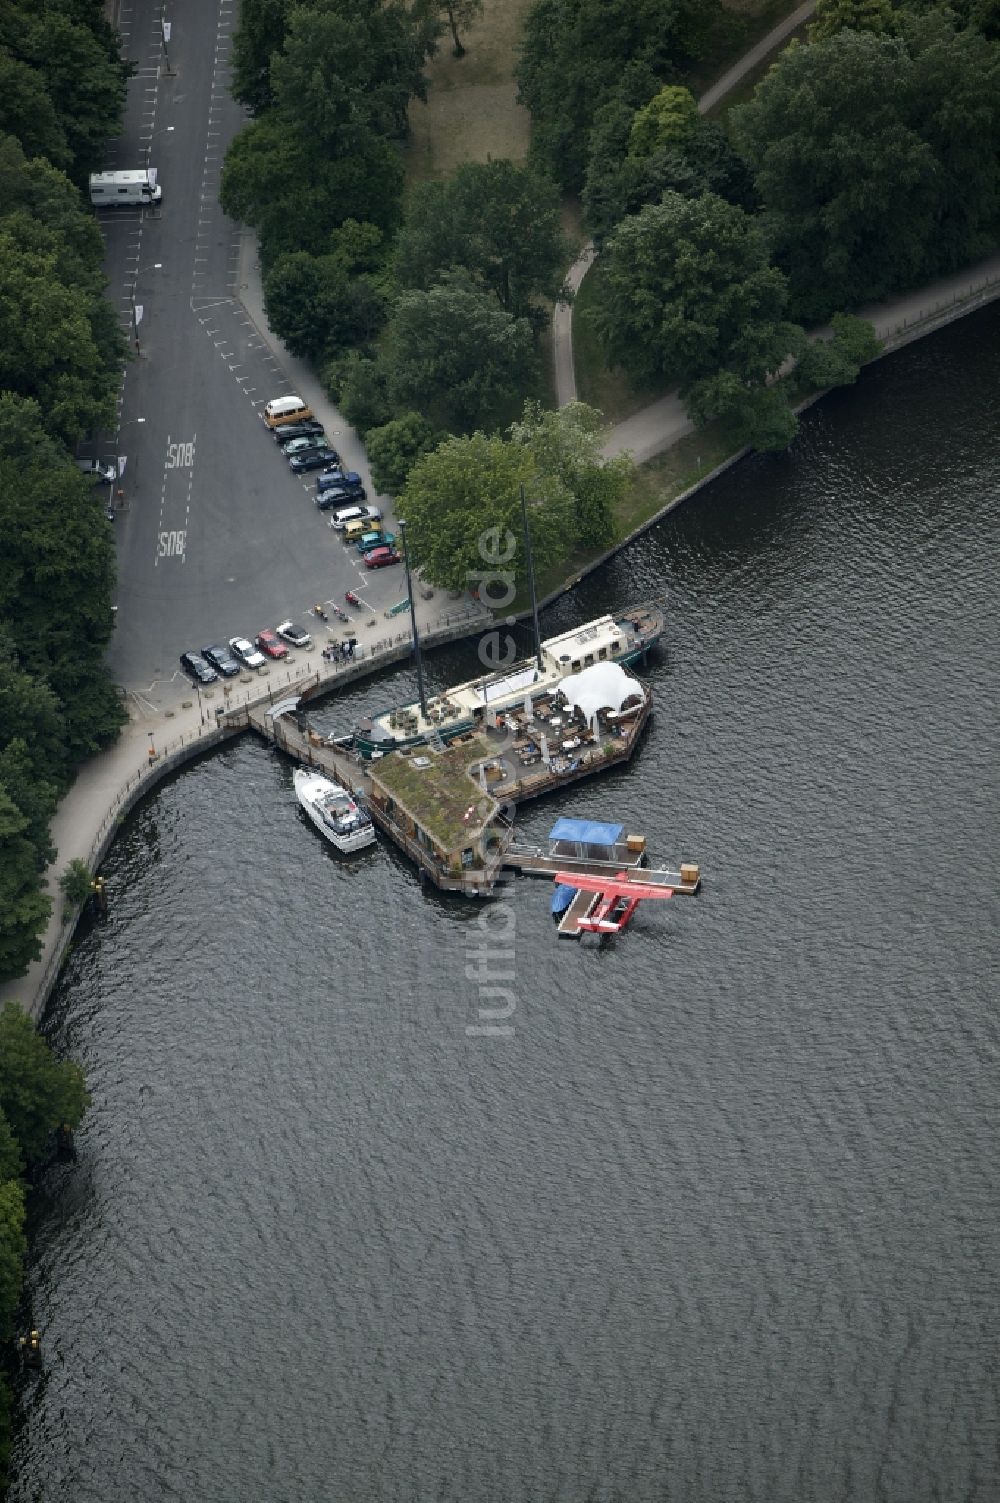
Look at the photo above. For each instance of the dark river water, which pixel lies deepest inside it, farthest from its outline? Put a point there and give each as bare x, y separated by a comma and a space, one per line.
718, 1221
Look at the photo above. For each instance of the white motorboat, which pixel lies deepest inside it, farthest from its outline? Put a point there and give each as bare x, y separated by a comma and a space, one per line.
333, 811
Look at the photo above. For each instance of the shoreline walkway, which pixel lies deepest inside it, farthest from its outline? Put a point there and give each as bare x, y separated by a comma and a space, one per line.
108, 785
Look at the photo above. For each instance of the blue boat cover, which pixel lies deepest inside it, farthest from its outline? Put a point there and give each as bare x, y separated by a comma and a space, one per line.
562, 897
585, 832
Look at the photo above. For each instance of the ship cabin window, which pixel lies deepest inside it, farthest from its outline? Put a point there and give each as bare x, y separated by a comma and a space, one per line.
588, 661
603, 653
576, 664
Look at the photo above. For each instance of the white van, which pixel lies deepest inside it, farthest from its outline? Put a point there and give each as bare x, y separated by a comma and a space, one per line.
285, 410
110, 189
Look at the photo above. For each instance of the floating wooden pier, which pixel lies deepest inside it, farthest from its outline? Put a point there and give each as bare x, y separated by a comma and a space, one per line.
274, 721
534, 862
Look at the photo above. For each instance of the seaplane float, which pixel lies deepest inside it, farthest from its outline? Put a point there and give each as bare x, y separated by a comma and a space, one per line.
601, 905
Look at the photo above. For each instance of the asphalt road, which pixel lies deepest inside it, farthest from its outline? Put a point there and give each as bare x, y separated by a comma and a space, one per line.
215, 536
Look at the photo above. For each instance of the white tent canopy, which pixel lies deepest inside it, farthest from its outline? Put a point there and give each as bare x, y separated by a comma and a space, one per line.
605, 686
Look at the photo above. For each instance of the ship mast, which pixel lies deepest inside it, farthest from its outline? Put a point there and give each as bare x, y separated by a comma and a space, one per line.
413, 621
531, 580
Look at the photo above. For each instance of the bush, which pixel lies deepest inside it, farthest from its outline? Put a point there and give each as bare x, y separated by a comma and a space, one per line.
77, 882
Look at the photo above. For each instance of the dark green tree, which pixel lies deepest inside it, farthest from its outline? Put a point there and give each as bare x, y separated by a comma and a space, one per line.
11, 1157
831, 16
496, 220
877, 159
24, 907
620, 183
57, 573
358, 384
753, 413
47, 344
454, 355
837, 361
28, 114
38, 1092
259, 35
690, 290
573, 56
317, 307
394, 448
13, 1247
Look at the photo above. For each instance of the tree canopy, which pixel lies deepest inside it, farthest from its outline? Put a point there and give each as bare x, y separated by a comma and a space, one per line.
329, 82
37, 1091
572, 58
61, 354
690, 291
463, 499
699, 158
454, 355
496, 220
877, 158
394, 448
62, 81
37, 1094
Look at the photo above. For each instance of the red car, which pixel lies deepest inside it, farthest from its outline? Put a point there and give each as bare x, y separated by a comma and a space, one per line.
379, 557
268, 643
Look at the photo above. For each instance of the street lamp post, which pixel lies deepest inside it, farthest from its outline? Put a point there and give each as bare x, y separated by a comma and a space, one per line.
165, 31
120, 459
149, 144
137, 309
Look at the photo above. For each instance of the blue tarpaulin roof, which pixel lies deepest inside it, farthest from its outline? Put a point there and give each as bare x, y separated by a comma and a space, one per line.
585, 831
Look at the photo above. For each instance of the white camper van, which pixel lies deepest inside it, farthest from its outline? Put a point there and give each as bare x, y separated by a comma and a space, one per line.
107, 189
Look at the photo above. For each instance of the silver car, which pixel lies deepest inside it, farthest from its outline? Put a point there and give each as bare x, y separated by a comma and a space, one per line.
246, 652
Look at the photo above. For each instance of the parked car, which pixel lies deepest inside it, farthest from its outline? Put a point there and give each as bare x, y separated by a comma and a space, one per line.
246, 652
305, 429
348, 480
346, 514
312, 459
304, 445
372, 540
294, 634
379, 558
222, 660
194, 665
341, 498
269, 644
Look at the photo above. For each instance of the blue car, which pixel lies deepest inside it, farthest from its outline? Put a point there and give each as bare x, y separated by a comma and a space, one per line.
335, 477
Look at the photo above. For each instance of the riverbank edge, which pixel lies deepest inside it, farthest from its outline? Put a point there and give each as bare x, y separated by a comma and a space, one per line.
905, 335
142, 767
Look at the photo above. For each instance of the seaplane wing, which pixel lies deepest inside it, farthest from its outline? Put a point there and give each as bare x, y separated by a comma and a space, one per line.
620, 885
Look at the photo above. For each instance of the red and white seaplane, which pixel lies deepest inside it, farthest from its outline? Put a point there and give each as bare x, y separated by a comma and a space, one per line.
613, 901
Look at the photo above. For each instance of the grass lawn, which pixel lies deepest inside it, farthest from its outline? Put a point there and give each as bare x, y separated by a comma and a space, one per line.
471, 111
